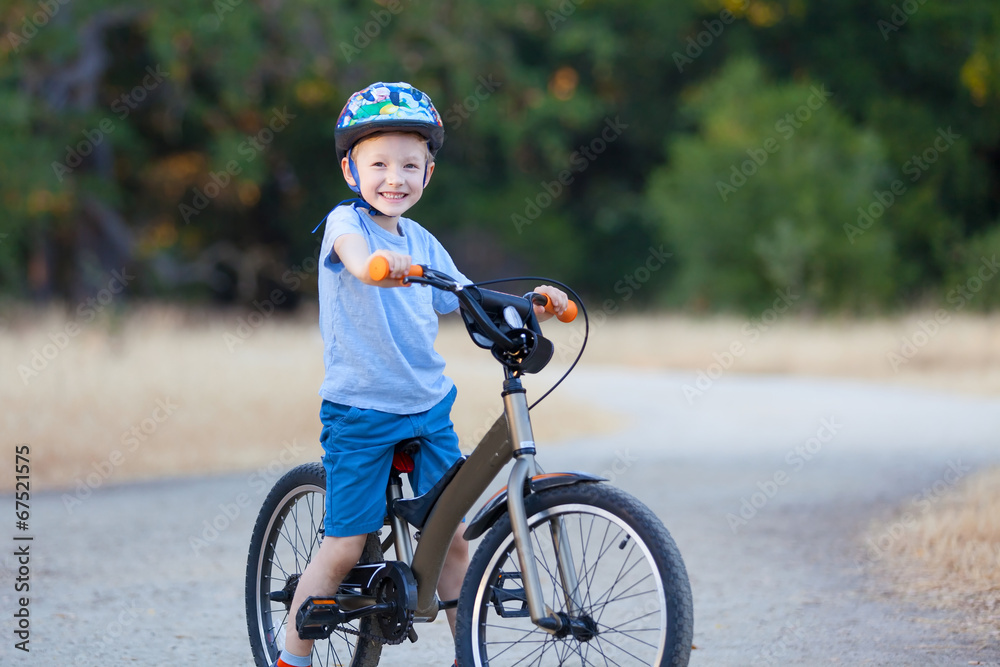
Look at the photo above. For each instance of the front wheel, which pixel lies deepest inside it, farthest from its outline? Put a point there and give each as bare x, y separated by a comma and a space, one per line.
628, 603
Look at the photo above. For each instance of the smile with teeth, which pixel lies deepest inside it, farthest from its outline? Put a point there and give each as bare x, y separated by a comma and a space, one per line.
394, 196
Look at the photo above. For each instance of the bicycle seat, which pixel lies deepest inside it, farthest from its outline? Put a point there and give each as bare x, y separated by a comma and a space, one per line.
402, 456
415, 510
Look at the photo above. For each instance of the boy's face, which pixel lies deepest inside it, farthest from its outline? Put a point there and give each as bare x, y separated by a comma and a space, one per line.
391, 167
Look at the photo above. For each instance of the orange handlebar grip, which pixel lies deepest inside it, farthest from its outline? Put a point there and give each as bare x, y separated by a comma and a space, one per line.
568, 315
379, 269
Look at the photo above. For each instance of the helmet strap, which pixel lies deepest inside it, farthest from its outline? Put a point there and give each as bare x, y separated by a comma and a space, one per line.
357, 184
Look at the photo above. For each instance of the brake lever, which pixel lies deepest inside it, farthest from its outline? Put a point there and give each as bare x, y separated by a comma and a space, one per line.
435, 279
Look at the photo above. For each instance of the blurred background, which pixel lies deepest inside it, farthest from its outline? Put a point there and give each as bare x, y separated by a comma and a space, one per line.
766, 187
769, 186
848, 151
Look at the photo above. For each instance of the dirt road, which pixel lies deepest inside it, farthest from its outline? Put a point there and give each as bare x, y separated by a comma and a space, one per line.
765, 483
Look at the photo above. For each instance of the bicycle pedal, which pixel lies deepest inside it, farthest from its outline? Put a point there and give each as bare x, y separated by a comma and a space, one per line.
317, 617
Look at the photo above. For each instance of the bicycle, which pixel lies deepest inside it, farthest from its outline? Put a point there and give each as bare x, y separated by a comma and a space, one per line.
570, 571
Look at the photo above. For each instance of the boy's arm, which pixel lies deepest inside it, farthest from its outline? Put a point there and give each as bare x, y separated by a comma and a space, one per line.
353, 252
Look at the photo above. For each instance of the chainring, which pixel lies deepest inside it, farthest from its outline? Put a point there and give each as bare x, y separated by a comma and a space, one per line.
395, 584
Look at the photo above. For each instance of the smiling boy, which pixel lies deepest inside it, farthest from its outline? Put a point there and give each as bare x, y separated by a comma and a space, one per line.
384, 381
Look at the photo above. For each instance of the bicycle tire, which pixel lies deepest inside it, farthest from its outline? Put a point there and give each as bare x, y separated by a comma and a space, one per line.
650, 620
287, 533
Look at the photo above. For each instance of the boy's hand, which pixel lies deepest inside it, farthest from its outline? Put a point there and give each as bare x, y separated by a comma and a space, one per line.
556, 296
399, 267
352, 250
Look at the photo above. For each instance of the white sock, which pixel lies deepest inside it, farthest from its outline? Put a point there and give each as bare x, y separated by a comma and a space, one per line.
295, 660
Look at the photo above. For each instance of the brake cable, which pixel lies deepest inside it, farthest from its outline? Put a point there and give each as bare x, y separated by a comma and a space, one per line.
580, 306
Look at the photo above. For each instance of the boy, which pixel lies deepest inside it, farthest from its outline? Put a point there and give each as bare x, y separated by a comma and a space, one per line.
384, 381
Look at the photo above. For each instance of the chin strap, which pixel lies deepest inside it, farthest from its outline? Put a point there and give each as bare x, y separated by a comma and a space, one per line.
357, 190
353, 201
357, 187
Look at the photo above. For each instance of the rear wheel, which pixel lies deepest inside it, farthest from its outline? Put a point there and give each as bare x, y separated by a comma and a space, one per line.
288, 532
631, 604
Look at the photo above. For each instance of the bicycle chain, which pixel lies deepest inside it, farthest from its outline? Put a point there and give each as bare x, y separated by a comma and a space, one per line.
378, 638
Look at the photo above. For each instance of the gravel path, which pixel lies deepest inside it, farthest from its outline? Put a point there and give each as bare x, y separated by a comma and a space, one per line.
118, 580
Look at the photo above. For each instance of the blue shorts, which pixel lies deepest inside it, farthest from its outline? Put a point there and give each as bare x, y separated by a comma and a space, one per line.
358, 446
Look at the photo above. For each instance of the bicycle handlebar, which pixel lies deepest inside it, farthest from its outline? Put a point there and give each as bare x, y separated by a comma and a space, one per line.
378, 269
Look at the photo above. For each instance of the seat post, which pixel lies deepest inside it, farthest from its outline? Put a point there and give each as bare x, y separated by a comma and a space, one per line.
400, 529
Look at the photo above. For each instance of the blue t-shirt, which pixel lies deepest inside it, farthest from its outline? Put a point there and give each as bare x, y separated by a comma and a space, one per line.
378, 343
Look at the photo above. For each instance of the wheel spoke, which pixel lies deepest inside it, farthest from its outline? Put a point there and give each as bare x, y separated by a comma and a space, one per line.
605, 639
293, 533
617, 578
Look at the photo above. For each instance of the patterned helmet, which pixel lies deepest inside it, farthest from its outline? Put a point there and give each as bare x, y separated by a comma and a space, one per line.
384, 107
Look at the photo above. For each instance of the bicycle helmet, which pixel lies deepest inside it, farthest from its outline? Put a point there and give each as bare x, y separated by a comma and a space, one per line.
383, 107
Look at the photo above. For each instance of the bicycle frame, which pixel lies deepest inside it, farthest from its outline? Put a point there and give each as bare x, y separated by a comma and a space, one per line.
485, 463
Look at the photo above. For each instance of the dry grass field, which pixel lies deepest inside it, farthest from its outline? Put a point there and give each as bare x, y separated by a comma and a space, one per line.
949, 557
164, 391
168, 392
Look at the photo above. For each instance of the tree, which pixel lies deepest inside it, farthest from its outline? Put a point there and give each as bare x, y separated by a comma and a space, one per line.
775, 192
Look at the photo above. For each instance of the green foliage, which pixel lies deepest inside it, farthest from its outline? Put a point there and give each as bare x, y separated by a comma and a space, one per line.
758, 200
186, 178
974, 282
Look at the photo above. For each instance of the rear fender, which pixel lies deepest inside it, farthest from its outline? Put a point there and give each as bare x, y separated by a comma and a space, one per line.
496, 506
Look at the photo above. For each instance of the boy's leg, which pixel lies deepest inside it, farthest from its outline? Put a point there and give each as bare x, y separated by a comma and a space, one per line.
456, 563
357, 462
335, 558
